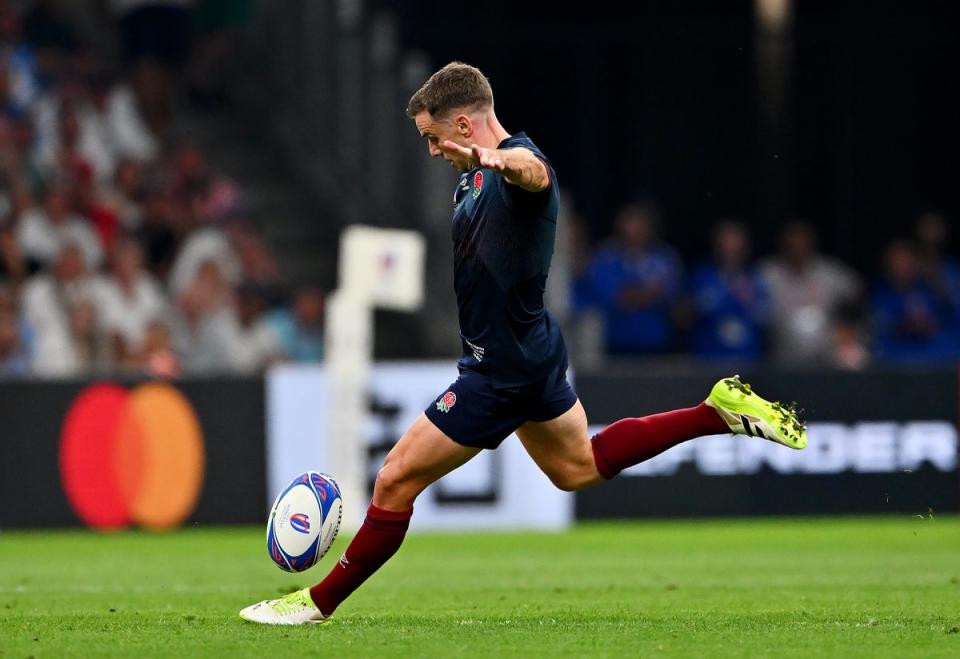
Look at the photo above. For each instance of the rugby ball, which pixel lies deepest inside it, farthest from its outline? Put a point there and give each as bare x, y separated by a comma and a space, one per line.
304, 521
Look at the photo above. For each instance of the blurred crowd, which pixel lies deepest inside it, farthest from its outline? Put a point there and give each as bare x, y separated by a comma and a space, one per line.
798, 306
121, 249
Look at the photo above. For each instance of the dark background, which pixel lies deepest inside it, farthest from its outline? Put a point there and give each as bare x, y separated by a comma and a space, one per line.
661, 98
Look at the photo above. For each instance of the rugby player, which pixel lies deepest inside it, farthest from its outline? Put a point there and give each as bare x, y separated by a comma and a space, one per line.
512, 375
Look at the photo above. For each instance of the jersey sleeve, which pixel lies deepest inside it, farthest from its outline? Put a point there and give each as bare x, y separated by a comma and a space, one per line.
516, 197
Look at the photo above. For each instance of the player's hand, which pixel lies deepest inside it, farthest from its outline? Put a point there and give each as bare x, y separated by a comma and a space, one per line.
476, 156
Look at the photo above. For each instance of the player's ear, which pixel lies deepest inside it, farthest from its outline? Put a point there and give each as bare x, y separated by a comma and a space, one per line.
464, 125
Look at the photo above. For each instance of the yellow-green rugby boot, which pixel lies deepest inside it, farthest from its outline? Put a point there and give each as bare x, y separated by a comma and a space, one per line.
746, 413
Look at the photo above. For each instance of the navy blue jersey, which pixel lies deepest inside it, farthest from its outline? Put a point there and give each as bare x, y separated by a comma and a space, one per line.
503, 241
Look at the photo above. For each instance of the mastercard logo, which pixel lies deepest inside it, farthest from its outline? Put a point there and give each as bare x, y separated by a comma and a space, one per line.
131, 457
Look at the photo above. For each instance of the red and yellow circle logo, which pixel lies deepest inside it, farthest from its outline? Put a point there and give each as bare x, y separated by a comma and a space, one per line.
131, 457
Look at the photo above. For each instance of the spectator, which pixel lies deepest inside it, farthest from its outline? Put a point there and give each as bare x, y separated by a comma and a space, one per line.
126, 195
158, 358
13, 266
59, 309
806, 288
116, 108
17, 164
85, 335
850, 350
18, 60
256, 261
730, 299
153, 88
211, 197
200, 247
208, 317
42, 232
88, 202
15, 199
131, 300
156, 233
940, 270
15, 338
251, 343
911, 321
71, 141
88, 123
635, 280
299, 331
11, 111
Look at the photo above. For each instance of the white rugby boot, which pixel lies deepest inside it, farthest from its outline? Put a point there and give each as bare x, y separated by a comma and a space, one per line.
297, 608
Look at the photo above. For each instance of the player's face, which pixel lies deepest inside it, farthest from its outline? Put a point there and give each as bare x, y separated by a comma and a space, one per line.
435, 131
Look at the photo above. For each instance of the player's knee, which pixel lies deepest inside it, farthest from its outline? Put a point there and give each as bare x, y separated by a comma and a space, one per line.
394, 487
390, 480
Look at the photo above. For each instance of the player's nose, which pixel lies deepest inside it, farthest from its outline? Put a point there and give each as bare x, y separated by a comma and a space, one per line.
434, 150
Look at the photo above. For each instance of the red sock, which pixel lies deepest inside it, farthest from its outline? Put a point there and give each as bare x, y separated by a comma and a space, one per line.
377, 540
631, 441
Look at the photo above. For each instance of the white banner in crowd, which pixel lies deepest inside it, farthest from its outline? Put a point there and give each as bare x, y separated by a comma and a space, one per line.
500, 489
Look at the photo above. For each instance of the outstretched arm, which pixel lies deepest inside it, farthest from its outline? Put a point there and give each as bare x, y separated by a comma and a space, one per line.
519, 166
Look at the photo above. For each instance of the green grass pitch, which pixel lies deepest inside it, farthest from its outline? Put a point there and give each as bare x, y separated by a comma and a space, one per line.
810, 587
